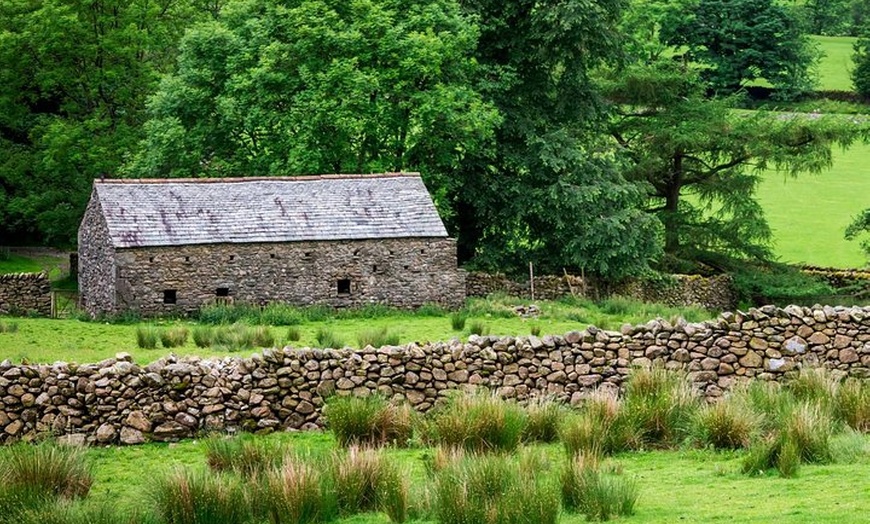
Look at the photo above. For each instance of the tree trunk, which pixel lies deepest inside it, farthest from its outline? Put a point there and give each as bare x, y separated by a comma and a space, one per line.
670, 216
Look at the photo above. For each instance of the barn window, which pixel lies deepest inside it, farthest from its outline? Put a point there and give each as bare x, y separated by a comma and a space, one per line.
271, 255
406, 267
170, 296
422, 251
374, 268
222, 292
150, 259
187, 259
232, 257
344, 286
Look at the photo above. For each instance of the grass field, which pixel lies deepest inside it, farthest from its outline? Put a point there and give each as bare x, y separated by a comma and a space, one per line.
675, 486
809, 214
835, 66
49, 340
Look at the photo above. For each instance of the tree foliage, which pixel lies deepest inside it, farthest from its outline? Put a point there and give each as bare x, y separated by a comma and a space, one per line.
740, 41
861, 61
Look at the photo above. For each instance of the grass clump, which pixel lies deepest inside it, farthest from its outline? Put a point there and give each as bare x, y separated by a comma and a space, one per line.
367, 480
46, 471
377, 338
147, 336
543, 419
294, 334
489, 489
368, 421
262, 337
598, 428
813, 384
726, 424
175, 336
457, 321
659, 406
478, 422
244, 454
852, 404
297, 493
478, 327
328, 338
203, 336
186, 497
8, 327
598, 495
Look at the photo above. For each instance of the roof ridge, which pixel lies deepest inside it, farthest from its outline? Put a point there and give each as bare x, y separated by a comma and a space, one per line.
298, 178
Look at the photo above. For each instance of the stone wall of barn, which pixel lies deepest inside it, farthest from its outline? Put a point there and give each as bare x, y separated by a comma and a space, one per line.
96, 263
405, 273
120, 401
25, 294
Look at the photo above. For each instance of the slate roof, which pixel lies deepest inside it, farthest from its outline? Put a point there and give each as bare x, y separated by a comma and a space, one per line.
150, 212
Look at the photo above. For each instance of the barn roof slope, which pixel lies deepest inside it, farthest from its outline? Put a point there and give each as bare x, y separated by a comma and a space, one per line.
150, 212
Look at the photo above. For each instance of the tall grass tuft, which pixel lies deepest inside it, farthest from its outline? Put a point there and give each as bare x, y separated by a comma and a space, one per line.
278, 314
598, 428
46, 470
328, 338
147, 336
368, 421
175, 336
68, 513
367, 480
594, 493
726, 424
478, 422
293, 334
377, 338
186, 497
489, 489
813, 384
203, 336
478, 327
852, 404
244, 454
8, 327
237, 337
262, 337
457, 321
659, 406
544, 417
297, 493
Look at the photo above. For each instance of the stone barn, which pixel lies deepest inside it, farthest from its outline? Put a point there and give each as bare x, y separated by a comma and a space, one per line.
171, 246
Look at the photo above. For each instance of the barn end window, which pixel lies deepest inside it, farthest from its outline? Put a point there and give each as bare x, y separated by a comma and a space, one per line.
232, 257
222, 292
170, 296
343, 286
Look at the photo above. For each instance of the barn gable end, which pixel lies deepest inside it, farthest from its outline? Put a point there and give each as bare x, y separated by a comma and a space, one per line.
96, 269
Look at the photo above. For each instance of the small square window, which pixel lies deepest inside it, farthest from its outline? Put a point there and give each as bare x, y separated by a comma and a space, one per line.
187, 259
422, 251
344, 286
272, 255
374, 268
406, 267
232, 257
150, 259
222, 292
170, 296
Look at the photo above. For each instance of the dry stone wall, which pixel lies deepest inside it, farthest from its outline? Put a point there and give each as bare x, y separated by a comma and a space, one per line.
120, 401
25, 293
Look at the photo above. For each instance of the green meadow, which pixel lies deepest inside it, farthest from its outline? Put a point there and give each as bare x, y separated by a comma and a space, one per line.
836, 63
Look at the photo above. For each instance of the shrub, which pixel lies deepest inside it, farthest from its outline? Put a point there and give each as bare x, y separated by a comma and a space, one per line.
203, 336
297, 493
262, 337
597, 495
365, 481
659, 406
173, 337
543, 418
293, 334
494, 490
478, 327
457, 321
852, 404
185, 497
147, 336
46, 470
377, 338
370, 420
8, 327
478, 422
245, 455
327, 338
726, 424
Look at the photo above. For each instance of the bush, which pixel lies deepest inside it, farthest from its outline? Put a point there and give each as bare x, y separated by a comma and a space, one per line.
852, 404
297, 493
777, 284
185, 497
173, 337
147, 336
293, 334
327, 338
861, 72
479, 422
8, 327
595, 494
366, 480
46, 470
457, 321
726, 424
377, 338
244, 454
203, 336
370, 420
659, 406
543, 418
494, 490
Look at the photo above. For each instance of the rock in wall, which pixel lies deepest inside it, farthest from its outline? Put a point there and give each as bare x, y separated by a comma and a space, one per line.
25, 293
119, 401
